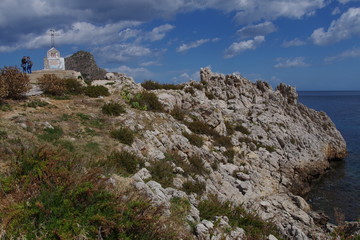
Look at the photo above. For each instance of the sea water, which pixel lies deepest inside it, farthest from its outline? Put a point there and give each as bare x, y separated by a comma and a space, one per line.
339, 189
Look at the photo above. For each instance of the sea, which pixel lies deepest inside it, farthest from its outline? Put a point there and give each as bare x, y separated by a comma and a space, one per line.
337, 193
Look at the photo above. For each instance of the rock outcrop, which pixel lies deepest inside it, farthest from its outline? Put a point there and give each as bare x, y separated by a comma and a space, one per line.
279, 147
84, 62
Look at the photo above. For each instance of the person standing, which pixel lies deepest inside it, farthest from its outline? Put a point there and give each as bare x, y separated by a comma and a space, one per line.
29, 65
23, 64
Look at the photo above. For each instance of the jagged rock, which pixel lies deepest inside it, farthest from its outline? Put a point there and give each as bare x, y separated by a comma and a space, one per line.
84, 62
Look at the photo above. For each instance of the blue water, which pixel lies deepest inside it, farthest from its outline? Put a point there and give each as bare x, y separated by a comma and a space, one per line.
340, 187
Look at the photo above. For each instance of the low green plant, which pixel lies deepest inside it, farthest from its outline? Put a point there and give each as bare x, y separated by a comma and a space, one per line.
254, 226
37, 103
152, 85
242, 129
51, 134
197, 165
194, 187
96, 91
230, 154
179, 208
124, 135
73, 86
112, 109
194, 139
162, 172
223, 141
178, 113
124, 162
5, 107
3, 134
146, 101
201, 127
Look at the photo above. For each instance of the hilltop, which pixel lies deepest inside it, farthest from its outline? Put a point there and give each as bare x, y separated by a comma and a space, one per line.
223, 158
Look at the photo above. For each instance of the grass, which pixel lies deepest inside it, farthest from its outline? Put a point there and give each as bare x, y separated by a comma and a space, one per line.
51, 197
51, 134
36, 103
194, 187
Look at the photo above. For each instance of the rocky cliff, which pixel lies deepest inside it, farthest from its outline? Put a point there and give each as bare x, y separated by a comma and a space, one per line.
84, 62
223, 137
279, 147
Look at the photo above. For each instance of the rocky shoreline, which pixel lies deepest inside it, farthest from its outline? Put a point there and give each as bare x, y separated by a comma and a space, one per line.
285, 146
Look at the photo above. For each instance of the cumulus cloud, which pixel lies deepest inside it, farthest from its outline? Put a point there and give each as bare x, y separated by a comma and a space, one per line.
122, 52
346, 26
261, 29
184, 47
291, 62
294, 43
353, 53
139, 74
237, 47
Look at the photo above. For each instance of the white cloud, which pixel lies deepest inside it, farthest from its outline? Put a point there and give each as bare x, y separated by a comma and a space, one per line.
261, 29
184, 47
237, 47
346, 26
353, 53
150, 63
294, 43
158, 33
122, 52
138, 74
291, 62
185, 76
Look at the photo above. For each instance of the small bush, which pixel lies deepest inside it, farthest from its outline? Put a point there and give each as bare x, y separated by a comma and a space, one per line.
123, 163
223, 141
51, 134
37, 103
73, 86
96, 91
242, 129
14, 83
51, 84
194, 187
201, 127
194, 139
197, 165
152, 85
254, 226
146, 101
209, 95
162, 172
229, 128
113, 109
3, 134
230, 154
178, 113
179, 208
124, 135
5, 106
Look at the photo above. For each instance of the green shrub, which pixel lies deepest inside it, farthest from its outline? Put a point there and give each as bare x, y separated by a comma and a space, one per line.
190, 90
254, 226
230, 154
124, 135
5, 106
197, 165
223, 141
178, 113
37, 103
194, 187
96, 91
152, 85
229, 128
209, 95
201, 127
51, 134
14, 83
242, 129
113, 109
51, 84
123, 163
146, 101
162, 172
73, 86
179, 208
194, 139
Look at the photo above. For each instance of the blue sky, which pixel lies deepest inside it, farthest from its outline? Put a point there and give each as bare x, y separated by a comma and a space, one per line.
310, 44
